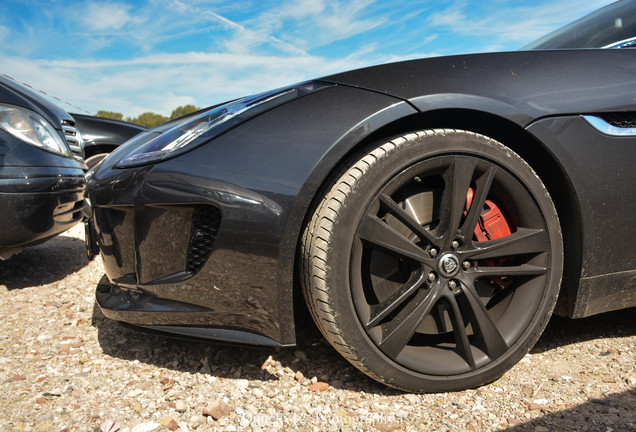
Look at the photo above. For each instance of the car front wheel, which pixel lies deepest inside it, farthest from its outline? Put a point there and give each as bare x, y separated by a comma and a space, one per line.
433, 261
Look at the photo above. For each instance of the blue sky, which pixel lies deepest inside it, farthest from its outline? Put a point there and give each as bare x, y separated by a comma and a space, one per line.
154, 55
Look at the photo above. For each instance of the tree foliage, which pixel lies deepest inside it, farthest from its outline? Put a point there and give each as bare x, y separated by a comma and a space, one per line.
110, 115
182, 110
150, 119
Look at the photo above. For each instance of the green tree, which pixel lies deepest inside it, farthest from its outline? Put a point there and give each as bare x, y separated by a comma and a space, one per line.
110, 115
148, 119
182, 110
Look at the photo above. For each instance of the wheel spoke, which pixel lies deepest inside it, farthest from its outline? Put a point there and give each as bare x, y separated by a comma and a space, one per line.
482, 189
523, 241
397, 332
522, 270
378, 233
440, 320
384, 308
457, 179
459, 330
485, 329
394, 209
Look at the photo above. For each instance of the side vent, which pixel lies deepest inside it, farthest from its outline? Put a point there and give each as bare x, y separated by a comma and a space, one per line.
621, 124
205, 226
621, 120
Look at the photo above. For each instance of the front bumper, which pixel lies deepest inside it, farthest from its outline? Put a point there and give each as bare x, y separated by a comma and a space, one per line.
186, 259
36, 208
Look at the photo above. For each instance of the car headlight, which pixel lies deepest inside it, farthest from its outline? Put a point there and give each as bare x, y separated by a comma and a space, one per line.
193, 131
32, 128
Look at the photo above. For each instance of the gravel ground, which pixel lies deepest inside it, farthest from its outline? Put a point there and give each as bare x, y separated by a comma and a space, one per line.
65, 367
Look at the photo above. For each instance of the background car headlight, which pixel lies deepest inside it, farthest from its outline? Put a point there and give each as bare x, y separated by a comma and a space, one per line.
193, 131
32, 128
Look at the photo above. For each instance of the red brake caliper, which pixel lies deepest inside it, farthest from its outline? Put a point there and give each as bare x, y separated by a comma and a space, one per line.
491, 225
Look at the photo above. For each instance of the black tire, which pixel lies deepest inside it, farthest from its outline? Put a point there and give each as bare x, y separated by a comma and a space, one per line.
405, 314
95, 159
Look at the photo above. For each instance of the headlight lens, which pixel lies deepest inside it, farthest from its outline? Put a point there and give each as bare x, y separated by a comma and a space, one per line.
32, 128
196, 130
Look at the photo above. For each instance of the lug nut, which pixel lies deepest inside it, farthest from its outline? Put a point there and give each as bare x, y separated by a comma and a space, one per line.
466, 265
431, 277
455, 244
433, 252
452, 284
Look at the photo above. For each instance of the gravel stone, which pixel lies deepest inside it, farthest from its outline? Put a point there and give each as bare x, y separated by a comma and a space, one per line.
180, 406
146, 427
217, 409
65, 367
318, 386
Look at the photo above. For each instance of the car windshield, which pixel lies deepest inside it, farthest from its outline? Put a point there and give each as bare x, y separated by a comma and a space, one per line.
613, 26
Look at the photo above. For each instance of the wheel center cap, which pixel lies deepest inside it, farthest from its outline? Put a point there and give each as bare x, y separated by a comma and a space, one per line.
448, 265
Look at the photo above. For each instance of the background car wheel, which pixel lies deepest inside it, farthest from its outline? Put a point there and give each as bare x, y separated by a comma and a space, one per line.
433, 262
95, 159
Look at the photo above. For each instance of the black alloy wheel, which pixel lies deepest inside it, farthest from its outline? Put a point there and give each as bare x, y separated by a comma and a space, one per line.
433, 262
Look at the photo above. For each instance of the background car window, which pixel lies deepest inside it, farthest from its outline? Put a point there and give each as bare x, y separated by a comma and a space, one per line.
601, 29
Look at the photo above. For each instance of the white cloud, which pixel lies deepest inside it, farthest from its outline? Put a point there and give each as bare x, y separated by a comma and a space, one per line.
105, 16
161, 82
451, 17
513, 23
309, 25
242, 38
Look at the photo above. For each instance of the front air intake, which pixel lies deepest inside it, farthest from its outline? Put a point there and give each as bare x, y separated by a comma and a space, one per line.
205, 226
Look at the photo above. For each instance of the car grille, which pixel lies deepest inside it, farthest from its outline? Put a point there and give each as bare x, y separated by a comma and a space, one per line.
621, 120
205, 226
74, 140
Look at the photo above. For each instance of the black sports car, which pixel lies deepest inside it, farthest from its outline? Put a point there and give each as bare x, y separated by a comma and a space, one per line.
431, 212
41, 177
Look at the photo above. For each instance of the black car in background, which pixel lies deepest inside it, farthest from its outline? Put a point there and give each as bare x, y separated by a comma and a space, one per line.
41, 169
103, 135
431, 213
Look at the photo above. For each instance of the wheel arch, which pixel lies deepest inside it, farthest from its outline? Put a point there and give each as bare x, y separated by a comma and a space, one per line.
533, 151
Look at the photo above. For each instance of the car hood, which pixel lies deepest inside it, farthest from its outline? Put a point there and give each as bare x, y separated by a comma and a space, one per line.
14, 93
521, 86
